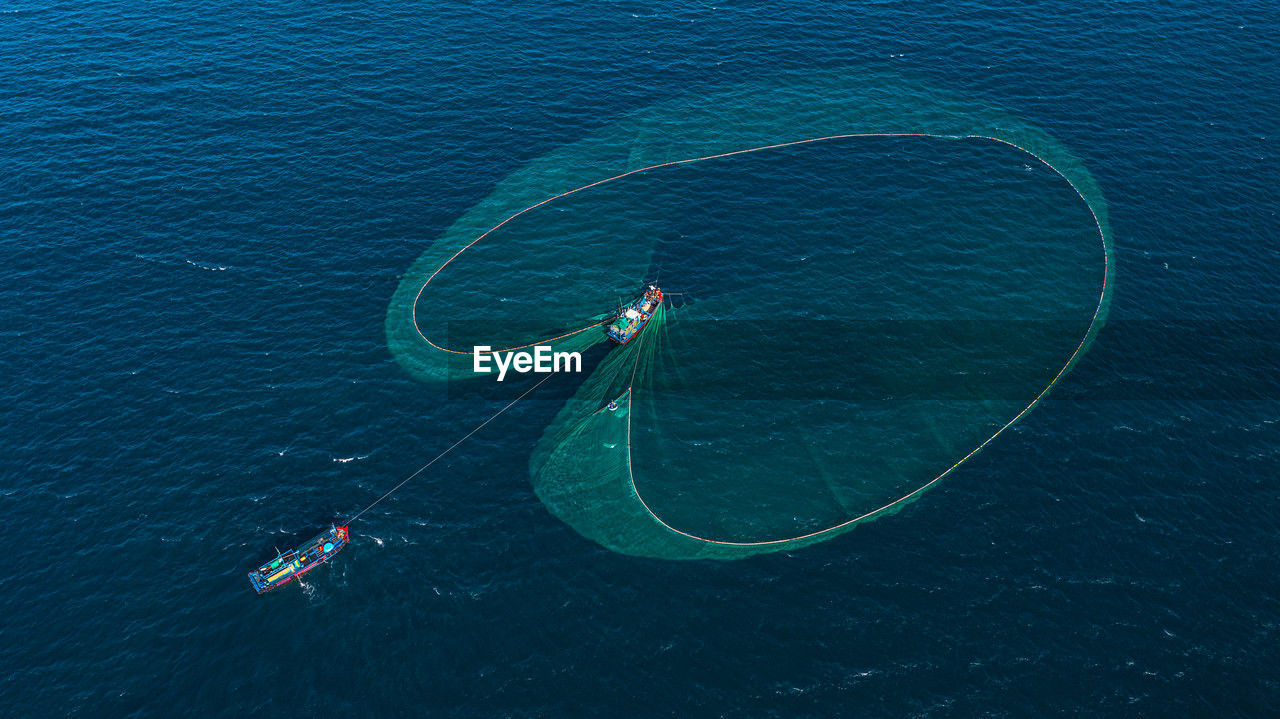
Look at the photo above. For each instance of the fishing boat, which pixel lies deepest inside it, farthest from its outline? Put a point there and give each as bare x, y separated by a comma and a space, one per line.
293, 563
632, 318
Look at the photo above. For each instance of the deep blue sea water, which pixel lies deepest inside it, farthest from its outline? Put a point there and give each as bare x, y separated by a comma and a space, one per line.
207, 207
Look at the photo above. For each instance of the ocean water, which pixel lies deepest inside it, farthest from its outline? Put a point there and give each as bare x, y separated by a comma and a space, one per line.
207, 208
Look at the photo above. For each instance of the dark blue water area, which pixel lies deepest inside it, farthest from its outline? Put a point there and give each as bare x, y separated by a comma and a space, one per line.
206, 208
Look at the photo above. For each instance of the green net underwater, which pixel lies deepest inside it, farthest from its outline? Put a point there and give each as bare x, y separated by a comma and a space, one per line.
871, 280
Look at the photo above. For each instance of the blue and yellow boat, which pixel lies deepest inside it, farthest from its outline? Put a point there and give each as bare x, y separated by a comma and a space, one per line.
293, 563
631, 319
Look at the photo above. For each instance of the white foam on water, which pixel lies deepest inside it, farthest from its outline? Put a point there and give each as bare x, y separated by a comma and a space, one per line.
160, 260
210, 268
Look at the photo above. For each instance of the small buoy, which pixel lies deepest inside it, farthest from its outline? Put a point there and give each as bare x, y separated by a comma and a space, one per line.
613, 406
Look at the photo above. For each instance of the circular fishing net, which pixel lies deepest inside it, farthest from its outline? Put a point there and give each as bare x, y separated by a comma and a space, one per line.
868, 284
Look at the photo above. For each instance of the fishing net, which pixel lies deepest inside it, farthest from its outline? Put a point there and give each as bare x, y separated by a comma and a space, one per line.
874, 279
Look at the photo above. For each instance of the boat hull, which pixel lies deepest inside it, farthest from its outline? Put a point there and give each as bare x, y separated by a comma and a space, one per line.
289, 565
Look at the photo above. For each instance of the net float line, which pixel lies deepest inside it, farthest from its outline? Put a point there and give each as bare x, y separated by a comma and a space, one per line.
1095, 324
629, 173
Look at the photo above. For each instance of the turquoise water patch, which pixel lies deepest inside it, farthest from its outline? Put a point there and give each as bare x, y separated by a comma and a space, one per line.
857, 312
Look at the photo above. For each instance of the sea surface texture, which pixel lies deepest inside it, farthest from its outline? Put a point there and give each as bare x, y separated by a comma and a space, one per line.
207, 214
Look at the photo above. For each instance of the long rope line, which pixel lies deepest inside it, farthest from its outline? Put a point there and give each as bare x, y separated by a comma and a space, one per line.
465, 437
